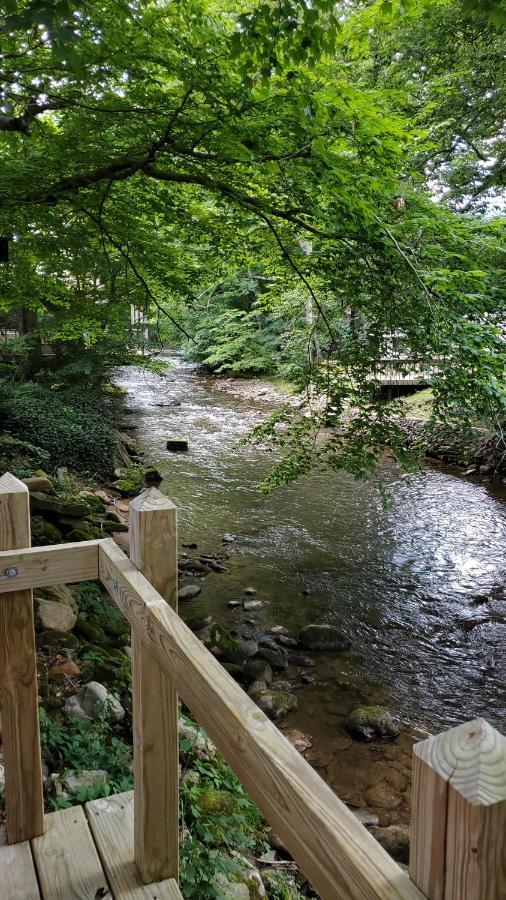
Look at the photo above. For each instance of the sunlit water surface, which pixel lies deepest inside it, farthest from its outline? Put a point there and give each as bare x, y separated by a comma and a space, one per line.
417, 586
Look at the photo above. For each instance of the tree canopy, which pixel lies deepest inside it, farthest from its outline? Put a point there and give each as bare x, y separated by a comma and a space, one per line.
348, 154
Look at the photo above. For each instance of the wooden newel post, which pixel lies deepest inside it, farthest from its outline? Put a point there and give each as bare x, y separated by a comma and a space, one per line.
458, 840
153, 549
24, 805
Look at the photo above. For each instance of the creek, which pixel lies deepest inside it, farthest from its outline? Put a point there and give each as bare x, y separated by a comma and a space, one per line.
418, 586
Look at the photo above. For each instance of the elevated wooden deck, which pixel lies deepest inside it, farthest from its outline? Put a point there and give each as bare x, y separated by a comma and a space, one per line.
84, 854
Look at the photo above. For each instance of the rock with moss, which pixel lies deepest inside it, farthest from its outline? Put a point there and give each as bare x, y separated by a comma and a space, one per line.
39, 483
57, 641
57, 506
90, 632
44, 532
258, 670
276, 656
371, 723
275, 704
231, 649
95, 503
244, 882
217, 803
83, 532
281, 886
177, 444
130, 482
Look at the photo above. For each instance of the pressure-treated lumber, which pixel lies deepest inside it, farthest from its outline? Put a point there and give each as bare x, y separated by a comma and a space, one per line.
458, 842
153, 549
18, 880
342, 861
41, 566
66, 858
111, 822
18, 679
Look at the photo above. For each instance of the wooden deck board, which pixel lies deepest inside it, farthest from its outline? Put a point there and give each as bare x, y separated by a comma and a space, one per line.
112, 825
66, 859
17, 871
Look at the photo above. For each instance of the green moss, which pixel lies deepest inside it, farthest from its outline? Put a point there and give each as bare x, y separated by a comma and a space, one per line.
45, 533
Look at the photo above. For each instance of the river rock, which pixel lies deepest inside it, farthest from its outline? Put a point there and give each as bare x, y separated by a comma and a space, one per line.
395, 840
67, 669
275, 703
298, 739
250, 591
197, 623
275, 656
371, 723
257, 687
229, 538
88, 779
152, 475
177, 444
305, 662
278, 629
251, 605
231, 649
94, 701
53, 616
233, 603
259, 670
286, 641
189, 592
383, 796
282, 686
323, 637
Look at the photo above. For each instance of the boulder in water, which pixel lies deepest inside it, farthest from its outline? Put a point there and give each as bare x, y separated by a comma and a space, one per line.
177, 444
275, 703
372, 723
323, 637
189, 592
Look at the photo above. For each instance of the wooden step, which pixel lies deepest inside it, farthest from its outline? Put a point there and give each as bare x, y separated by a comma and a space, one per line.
66, 859
17, 871
111, 822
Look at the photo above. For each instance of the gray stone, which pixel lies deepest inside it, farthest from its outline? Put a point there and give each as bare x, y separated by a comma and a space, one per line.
250, 605
229, 538
372, 722
275, 656
259, 670
94, 701
39, 484
305, 662
197, 623
200, 745
323, 637
59, 506
53, 616
86, 780
189, 592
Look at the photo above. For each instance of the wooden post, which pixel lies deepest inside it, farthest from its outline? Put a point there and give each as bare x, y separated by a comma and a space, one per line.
458, 841
153, 542
18, 678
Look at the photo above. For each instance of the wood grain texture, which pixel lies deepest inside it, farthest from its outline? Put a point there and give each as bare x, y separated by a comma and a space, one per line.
17, 871
66, 859
18, 679
340, 858
111, 822
43, 566
458, 845
153, 550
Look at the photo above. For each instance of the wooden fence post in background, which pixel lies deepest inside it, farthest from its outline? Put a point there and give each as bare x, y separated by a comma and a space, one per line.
458, 840
153, 542
18, 678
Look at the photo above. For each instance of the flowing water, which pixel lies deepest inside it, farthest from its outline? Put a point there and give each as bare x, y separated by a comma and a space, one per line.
418, 586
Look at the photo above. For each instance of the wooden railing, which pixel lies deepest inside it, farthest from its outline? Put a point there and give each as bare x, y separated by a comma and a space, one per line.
459, 777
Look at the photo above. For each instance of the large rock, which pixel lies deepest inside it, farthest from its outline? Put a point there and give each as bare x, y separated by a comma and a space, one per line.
383, 796
274, 655
323, 637
247, 884
218, 803
372, 723
275, 703
41, 484
61, 593
177, 444
231, 649
58, 506
94, 701
44, 532
189, 592
53, 616
57, 641
258, 670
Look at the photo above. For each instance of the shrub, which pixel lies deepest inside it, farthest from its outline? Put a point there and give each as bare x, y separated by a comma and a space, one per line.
72, 428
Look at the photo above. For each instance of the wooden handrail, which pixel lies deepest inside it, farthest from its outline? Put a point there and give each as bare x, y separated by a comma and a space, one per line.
340, 858
38, 567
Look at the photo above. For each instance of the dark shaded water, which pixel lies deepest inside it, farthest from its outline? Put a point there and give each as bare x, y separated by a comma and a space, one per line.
418, 587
